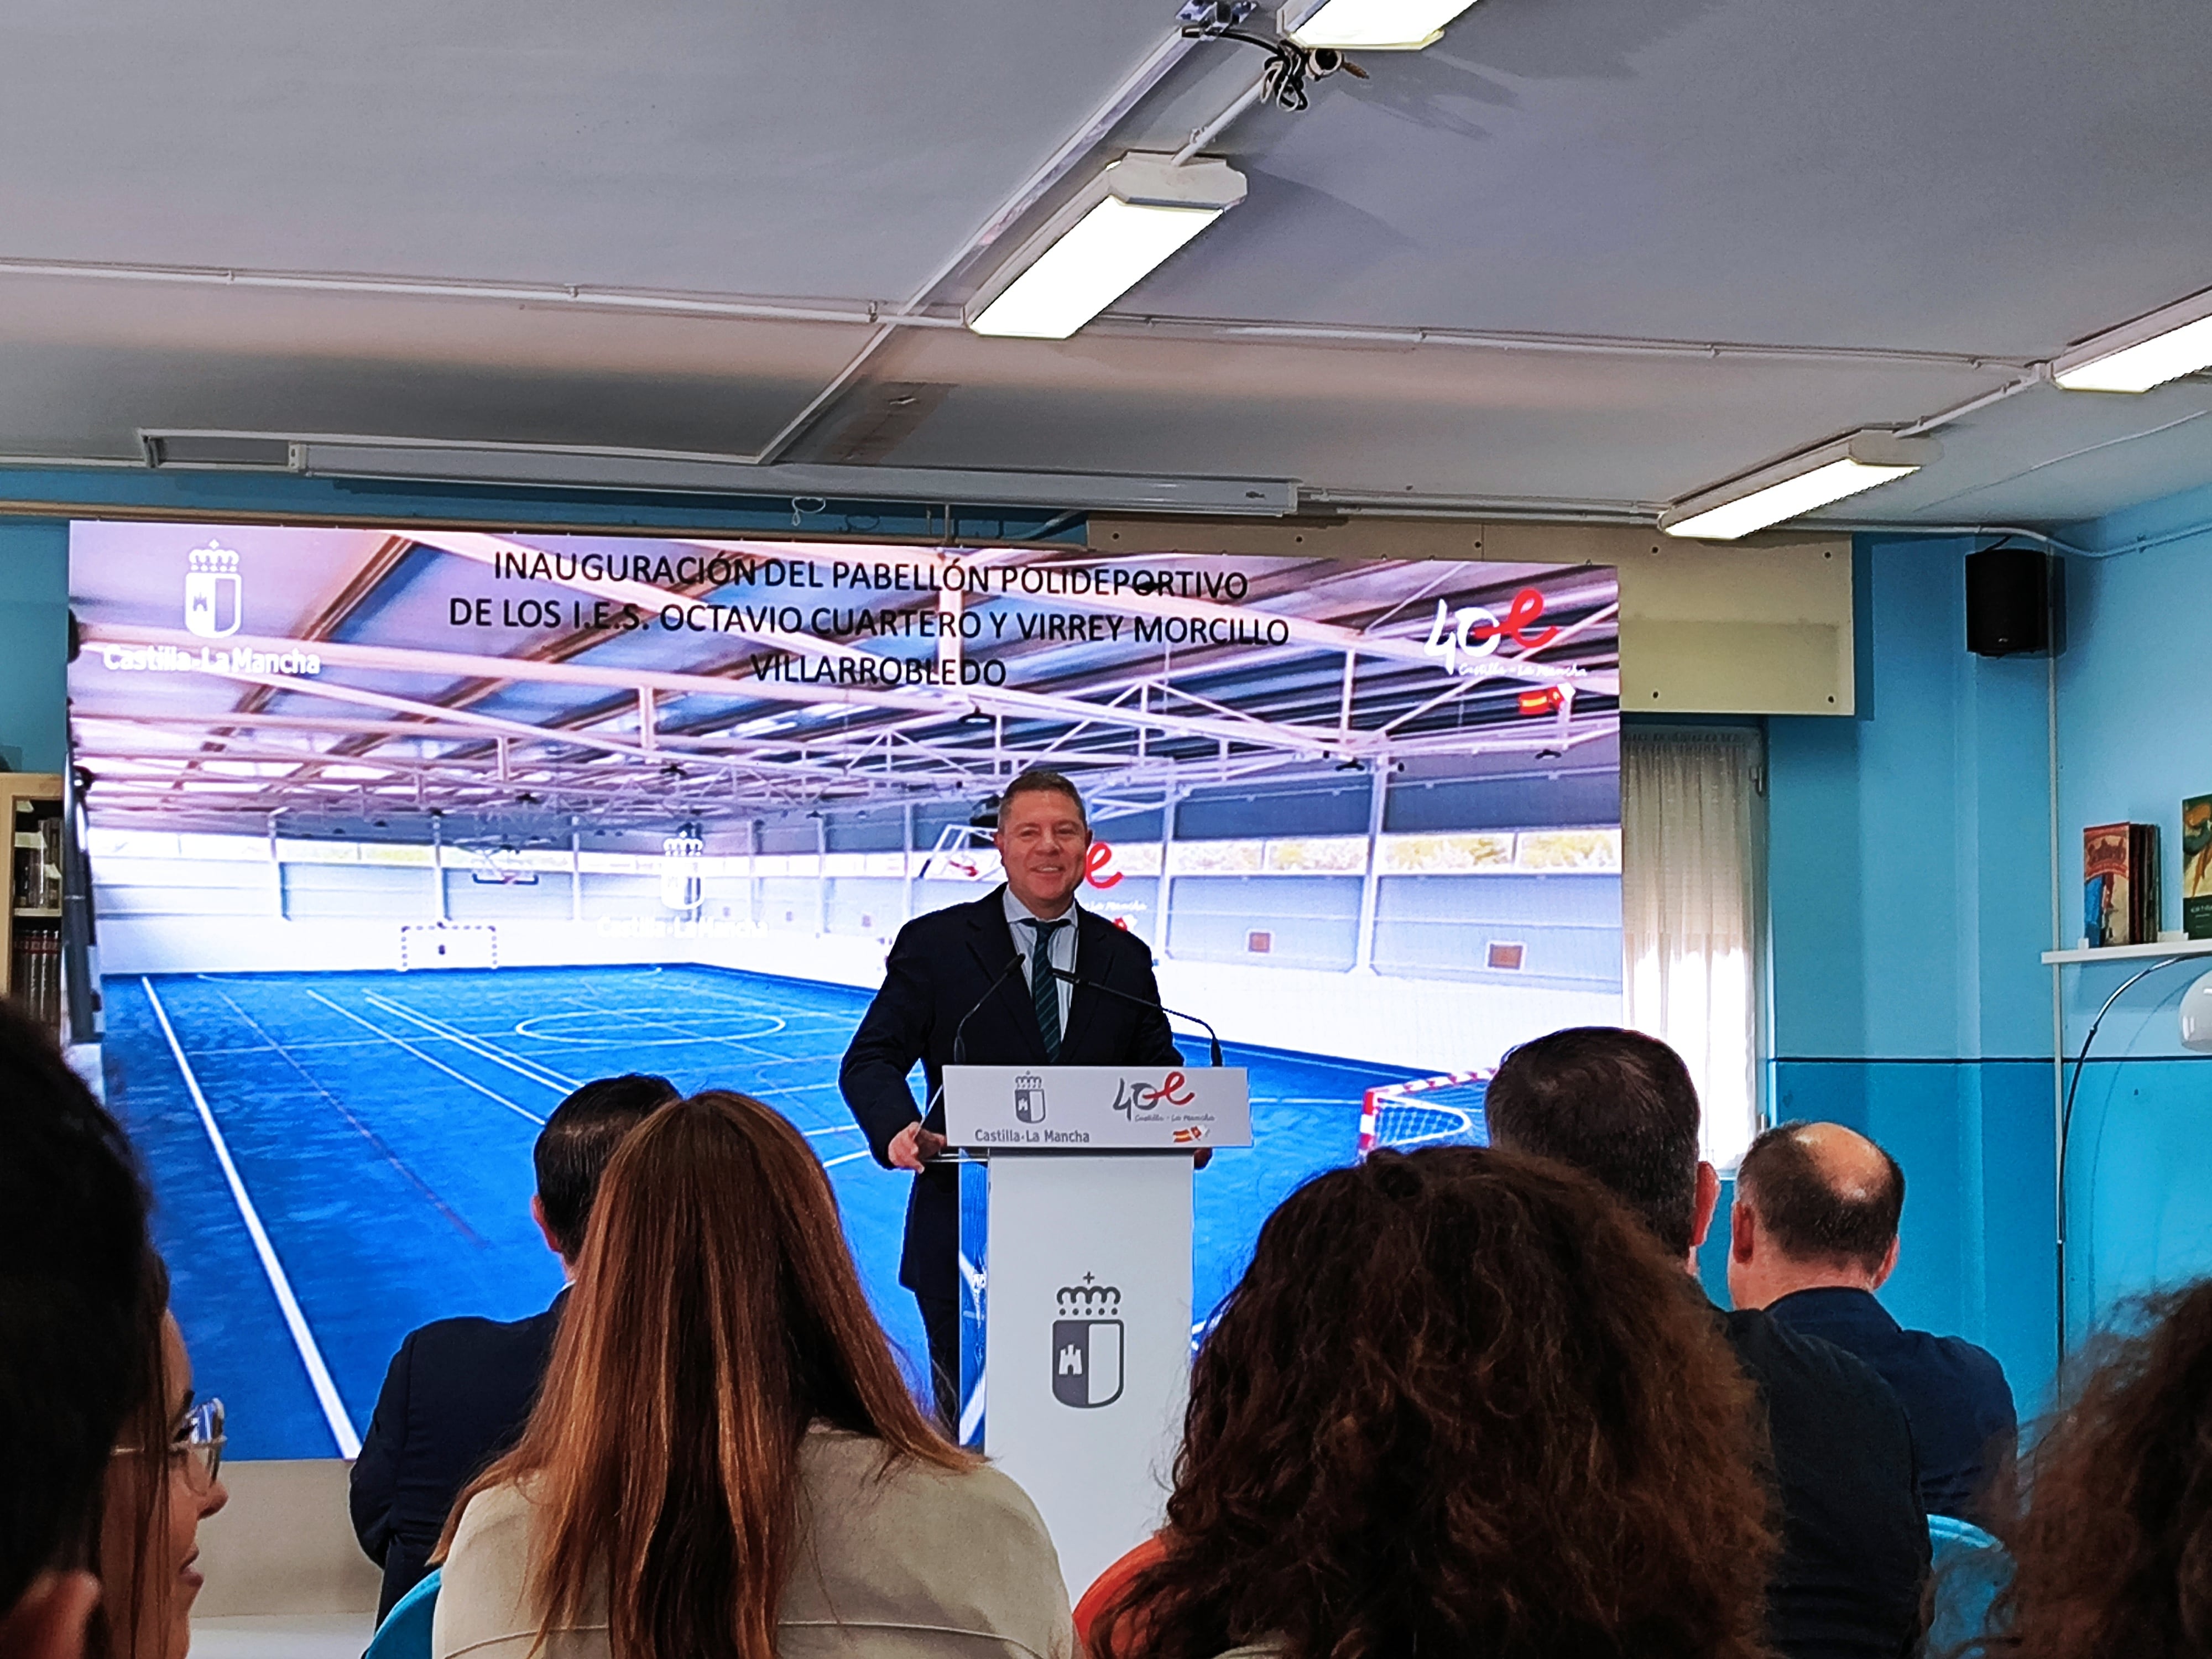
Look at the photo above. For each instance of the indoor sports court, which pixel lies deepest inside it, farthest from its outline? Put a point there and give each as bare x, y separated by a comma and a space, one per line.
339, 1158
367, 908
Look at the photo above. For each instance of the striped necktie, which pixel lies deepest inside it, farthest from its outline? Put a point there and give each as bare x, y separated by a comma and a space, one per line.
1044, 988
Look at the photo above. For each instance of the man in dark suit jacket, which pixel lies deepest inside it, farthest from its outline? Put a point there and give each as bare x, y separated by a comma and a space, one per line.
459, 1390
981, 963
1619, 1106
1813, 1235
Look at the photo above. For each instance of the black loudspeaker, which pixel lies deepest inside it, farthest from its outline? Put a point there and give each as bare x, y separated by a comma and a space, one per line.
2011, 594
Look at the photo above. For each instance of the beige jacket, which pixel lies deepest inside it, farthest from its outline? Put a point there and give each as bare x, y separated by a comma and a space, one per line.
918, 1563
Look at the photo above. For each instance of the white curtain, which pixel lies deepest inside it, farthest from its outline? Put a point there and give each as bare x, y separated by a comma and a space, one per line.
1689, 914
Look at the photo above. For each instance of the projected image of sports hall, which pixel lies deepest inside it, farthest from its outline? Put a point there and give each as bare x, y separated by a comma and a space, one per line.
359, 932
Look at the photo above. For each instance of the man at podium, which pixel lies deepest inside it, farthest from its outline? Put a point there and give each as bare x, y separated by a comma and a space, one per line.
1022, 977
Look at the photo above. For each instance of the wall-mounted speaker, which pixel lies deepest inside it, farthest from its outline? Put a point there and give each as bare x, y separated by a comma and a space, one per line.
2012, 601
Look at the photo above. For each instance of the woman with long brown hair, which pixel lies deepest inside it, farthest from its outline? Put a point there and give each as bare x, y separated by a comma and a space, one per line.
2113, 1555
1459, 1404
725, 1462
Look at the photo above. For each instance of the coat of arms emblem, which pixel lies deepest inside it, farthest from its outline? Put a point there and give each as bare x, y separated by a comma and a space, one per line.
1086, 1345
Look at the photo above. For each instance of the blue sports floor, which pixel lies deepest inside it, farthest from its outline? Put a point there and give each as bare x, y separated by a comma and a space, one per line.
356, 1158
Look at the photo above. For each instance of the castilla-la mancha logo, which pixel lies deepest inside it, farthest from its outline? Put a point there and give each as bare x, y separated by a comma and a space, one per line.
1086, 1345
1029, 1098
212, 593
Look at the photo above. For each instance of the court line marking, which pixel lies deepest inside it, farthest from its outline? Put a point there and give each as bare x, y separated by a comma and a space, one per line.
661, 1021
543, 1076
311, 1356
402, 1042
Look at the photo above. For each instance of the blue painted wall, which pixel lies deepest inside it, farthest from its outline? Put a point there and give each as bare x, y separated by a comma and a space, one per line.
34, 644
2135, 726
1909, 896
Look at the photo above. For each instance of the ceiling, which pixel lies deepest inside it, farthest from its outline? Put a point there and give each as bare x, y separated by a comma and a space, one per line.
1583, 255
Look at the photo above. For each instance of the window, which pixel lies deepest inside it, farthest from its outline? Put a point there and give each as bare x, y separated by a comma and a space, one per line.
1689, 813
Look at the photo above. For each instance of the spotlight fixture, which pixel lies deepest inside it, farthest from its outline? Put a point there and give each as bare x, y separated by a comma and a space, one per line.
1118, 229
1796, 486
2170, 341
1369, 25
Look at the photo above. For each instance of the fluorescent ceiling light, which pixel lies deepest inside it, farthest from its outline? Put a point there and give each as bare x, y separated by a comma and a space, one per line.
1118, 229
2173, 341
1369, 25
1796, 486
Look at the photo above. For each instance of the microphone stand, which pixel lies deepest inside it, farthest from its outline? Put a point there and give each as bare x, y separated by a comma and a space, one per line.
960, 1050
1213, 1037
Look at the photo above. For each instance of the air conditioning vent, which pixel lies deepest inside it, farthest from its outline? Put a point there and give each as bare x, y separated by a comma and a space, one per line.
252, 452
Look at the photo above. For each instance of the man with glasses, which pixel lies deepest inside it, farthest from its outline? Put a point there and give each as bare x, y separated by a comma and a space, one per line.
72, 1303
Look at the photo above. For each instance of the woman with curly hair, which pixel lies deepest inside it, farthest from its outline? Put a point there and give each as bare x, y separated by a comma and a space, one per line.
2113, 1553
1459, 1404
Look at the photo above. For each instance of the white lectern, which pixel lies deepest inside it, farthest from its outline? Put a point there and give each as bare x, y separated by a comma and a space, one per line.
1085, 1281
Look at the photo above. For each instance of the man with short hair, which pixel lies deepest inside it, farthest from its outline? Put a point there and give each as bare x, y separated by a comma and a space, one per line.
72, 1330
1619, 1106
1019, 966
1813, 1235
459, 1391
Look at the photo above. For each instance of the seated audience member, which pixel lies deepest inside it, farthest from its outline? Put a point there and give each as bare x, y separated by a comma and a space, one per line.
459, 1390
2112, 1557
1814, 1236
1621, 1106
1458, 1404
725, 1458
163, 1479
72, 1313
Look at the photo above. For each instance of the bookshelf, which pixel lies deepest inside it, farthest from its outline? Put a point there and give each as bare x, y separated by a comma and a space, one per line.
2175, 947
31, 925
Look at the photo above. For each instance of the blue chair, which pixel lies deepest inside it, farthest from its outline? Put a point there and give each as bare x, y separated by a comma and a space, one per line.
405, 1631
1970, 1568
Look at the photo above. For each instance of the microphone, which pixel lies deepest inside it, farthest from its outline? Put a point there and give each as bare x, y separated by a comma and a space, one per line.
960, 1032
1213, 1037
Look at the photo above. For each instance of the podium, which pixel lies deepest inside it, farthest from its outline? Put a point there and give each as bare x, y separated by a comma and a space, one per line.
1078, 1180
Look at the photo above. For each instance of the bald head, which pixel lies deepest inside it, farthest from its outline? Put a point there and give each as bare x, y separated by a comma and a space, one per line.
1816, 1205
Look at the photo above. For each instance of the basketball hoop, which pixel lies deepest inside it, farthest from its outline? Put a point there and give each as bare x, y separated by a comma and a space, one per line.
682, 863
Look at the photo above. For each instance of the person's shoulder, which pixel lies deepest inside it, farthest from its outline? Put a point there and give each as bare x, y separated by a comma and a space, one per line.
972, 1511
493, 1537
1969, 1362
470, 1335
495, 1511
1124, 948
835, 1459
482, 1599
1774, 1353
445, 1336
952, 919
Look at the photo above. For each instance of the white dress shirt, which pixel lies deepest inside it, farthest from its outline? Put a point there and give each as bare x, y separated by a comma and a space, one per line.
1063, 947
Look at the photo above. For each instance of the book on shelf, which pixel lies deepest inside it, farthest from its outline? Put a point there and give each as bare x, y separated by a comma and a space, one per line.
38, 860
2120, 886
2196, 866
34, 972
